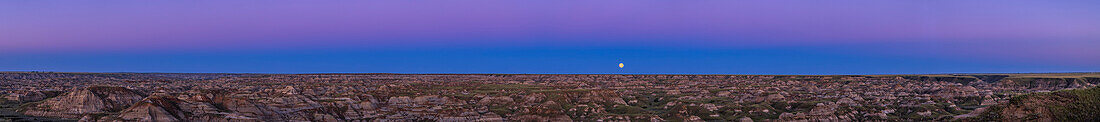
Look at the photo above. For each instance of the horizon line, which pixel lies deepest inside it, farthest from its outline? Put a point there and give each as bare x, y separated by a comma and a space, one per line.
390, 73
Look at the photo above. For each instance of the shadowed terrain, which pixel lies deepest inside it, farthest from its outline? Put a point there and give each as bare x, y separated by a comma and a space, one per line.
545, 97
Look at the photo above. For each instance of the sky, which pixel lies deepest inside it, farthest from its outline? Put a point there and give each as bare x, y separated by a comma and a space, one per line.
552, 36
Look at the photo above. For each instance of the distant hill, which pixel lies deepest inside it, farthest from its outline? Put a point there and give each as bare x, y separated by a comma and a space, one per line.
1028, 80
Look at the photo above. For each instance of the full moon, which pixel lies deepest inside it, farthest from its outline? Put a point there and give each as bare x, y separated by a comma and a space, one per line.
620, 65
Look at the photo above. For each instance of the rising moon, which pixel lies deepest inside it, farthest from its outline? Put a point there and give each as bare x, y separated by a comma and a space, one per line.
620, 65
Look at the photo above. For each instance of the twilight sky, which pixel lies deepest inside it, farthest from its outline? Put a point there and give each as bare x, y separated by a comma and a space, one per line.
552, 36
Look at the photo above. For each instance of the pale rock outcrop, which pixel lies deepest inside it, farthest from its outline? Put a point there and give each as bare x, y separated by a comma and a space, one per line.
496, 100
744, 119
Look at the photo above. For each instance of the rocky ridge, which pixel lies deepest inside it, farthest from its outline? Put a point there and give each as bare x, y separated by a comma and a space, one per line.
91, 100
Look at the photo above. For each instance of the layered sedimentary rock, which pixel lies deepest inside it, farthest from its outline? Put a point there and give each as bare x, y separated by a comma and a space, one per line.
288, 105
91, 100
182, 107
154, 108
430, 97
